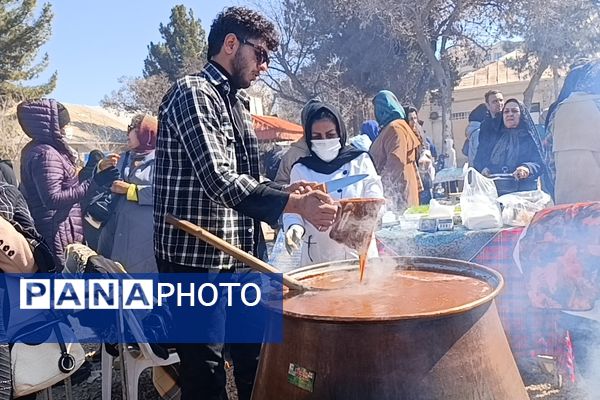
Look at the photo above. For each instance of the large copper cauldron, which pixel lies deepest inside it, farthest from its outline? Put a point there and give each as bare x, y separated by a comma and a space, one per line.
458, 353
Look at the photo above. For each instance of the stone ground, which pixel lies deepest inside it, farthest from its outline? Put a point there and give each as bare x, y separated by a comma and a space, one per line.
91, 388
539, 386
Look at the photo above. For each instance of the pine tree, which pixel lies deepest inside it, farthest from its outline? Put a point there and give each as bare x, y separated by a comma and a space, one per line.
183, 50
21, 36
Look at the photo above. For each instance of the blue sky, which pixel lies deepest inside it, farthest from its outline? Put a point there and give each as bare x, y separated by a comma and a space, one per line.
94, 42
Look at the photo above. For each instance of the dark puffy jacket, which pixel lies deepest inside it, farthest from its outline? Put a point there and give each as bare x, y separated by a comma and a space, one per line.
48, 178
7, 174
13, 208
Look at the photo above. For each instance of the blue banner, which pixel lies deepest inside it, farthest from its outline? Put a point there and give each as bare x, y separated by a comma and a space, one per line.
141, 308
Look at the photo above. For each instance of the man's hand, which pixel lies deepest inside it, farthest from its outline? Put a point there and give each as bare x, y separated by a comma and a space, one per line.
300, 187
293, 238
119, 187
521, 173
109, 161
315, 207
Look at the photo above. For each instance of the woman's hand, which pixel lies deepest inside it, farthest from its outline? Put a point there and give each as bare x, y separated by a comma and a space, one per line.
521, 173
119, 187
109, 161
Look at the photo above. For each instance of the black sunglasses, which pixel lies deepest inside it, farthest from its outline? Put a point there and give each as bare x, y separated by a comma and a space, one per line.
130, 128
261, 54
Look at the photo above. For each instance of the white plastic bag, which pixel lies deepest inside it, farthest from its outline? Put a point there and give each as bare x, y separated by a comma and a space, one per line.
479, 209
520, 207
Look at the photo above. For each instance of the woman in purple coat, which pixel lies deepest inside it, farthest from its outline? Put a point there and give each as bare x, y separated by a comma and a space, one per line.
48, 177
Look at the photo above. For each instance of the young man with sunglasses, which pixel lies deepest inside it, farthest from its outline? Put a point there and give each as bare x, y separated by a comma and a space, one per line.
207, 171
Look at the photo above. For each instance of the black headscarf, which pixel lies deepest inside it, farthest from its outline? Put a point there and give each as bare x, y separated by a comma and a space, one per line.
63, 115
507, 146
306, 108
347, 153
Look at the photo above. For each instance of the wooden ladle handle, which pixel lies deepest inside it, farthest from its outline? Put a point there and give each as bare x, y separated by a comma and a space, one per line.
233, 251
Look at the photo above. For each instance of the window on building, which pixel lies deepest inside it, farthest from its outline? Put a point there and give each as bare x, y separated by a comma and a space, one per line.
460, 115
535, 108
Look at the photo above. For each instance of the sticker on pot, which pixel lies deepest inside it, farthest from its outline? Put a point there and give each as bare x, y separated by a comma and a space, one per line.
301, 377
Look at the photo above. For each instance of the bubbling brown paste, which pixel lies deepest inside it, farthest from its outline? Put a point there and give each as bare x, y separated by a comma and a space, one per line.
384, 295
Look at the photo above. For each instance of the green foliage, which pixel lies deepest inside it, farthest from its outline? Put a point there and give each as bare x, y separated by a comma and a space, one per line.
373, 59
555, 33
344, 51
21, 36
183, 50
328, 51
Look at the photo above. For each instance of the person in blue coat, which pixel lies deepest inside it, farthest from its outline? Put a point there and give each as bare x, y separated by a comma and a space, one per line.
128, 236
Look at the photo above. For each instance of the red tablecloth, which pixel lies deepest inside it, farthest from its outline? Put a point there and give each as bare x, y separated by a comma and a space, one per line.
530, 331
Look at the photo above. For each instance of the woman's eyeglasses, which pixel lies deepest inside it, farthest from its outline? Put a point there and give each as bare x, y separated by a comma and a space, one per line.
130, 127
261, 54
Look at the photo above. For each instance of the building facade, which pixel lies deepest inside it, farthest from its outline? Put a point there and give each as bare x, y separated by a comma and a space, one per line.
470, 93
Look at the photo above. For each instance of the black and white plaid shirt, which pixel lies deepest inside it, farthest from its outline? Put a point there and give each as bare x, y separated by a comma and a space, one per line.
207, 171
13, 208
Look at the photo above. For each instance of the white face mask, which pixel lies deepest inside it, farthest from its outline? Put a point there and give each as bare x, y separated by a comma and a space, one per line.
326, 149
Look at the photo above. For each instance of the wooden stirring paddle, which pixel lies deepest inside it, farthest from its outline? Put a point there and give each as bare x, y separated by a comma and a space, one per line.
238, 254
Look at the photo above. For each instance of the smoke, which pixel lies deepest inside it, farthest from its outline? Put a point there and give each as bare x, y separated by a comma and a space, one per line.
377, 271
391, 288
560, 258
585, 336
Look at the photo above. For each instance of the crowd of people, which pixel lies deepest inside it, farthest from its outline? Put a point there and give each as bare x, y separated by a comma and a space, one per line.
199, 160
558, 157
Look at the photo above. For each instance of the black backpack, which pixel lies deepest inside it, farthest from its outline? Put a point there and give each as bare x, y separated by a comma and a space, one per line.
102, 204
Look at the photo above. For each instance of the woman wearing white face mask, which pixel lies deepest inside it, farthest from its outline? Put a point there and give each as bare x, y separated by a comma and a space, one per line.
330, 158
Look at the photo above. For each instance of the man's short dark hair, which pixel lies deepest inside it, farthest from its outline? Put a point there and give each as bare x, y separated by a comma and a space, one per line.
490, 93
410, 109
245, 24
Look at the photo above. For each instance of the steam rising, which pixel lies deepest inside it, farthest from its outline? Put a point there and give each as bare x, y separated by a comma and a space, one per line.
356, 223
560, 258
390, 290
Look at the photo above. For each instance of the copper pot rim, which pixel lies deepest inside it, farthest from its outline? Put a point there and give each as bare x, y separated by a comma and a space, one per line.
434, 264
